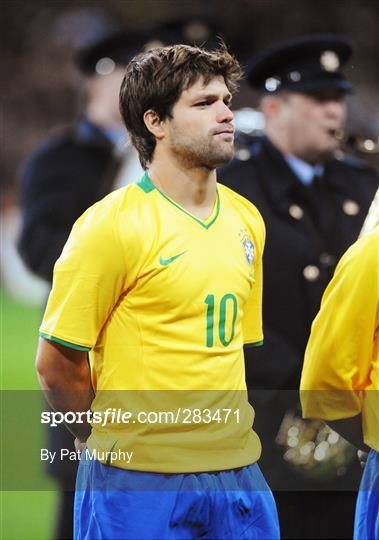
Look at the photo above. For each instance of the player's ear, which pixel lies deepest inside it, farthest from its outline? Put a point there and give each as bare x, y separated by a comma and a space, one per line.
154, 124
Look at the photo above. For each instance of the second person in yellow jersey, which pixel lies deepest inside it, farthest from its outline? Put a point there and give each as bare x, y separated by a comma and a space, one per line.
340, 378
161, 284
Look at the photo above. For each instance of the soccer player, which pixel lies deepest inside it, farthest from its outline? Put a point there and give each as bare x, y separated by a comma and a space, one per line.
161, 282
340, 379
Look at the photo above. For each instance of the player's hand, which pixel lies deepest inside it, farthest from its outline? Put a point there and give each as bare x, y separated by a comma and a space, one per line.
362, 456
79, 445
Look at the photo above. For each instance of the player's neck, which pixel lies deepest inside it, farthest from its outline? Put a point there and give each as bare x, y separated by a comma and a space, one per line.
194, 189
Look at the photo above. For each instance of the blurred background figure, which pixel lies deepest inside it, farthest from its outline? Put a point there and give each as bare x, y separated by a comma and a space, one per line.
313, 200
78, 166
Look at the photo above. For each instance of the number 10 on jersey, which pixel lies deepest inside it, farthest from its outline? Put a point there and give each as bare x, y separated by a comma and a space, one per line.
225, 328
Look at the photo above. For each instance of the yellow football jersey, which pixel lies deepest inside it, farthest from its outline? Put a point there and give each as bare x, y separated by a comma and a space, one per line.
165, 301
340, 376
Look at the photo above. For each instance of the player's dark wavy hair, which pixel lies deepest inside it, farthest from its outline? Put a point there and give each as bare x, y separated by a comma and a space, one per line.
155, 80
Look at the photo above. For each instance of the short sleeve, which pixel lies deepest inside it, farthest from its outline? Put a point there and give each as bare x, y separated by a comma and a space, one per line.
89, 278
339, 354
252, 326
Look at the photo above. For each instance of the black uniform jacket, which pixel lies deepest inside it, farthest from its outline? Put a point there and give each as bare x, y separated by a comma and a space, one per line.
308, 230
65, 176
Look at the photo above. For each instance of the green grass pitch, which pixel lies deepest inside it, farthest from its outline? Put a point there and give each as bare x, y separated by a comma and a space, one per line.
25, 515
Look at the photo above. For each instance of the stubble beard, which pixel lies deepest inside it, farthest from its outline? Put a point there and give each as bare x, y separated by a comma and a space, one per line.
202, 153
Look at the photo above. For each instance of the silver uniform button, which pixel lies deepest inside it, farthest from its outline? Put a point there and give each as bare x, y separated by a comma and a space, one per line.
243, 154
296, 211
351, 208
311, 272
326, 259
294, 76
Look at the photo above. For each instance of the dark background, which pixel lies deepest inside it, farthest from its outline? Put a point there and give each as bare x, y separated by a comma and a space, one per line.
40, 86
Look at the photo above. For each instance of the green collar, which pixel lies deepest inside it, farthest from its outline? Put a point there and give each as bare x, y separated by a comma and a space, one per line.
147, 186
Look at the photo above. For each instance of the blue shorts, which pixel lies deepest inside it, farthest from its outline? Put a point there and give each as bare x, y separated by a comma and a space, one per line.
366, 526
112, 503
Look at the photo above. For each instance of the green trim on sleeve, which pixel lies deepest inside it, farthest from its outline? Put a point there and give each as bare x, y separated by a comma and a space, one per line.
65, 343
256, 344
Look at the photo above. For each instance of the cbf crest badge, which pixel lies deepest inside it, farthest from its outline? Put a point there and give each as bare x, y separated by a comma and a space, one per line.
248, 246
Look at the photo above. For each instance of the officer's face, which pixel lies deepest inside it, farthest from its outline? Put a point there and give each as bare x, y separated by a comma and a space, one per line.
311, 121
103, 93
200, 132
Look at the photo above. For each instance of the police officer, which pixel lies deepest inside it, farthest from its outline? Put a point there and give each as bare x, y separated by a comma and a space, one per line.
78, 165
313, 200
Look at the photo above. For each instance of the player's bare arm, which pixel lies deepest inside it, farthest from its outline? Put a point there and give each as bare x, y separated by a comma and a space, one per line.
64, 377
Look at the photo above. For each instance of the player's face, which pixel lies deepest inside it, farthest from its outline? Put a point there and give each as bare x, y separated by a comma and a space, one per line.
200, 132
312, 120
